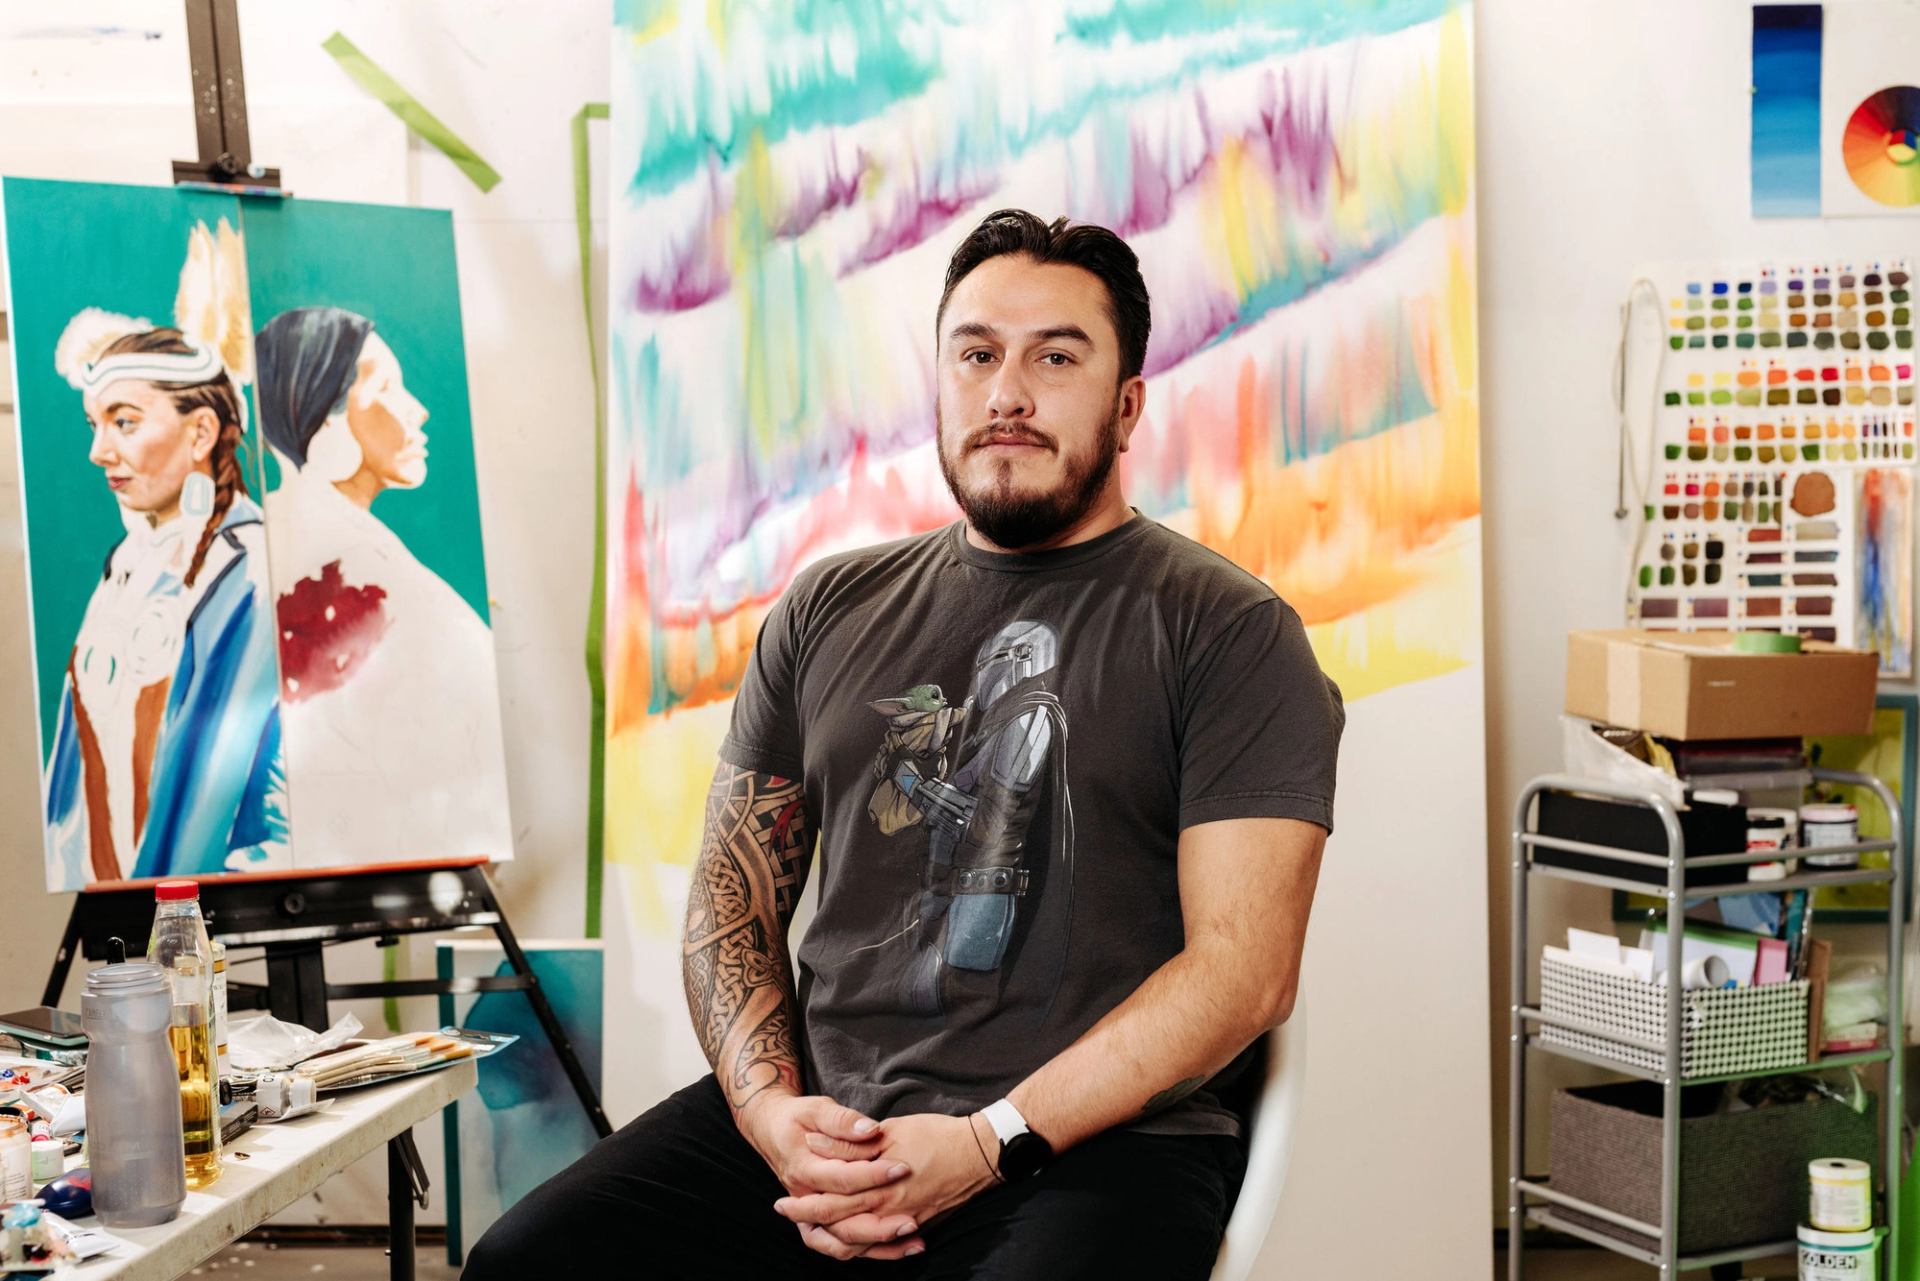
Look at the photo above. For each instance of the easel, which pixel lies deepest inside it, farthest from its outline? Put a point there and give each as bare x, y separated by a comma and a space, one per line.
294, 916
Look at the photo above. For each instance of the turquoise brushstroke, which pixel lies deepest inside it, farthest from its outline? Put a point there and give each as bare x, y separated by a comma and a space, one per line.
885, 70
725, 114
1312, 22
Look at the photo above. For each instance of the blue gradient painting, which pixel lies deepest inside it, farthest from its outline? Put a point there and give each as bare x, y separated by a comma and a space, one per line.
1786, 110
526, 1123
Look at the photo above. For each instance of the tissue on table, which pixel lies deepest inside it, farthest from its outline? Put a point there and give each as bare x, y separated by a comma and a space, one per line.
263, 1043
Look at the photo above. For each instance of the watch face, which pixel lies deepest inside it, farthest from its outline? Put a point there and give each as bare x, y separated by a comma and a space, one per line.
1023, 1155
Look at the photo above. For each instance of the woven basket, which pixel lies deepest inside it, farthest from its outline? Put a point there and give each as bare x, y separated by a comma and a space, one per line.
1743, 1175
1723, 1031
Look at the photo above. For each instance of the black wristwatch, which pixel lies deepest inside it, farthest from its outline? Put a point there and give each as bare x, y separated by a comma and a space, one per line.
1022, 1152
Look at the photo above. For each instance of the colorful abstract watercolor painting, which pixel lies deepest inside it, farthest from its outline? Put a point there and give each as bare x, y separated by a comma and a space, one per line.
1297, 179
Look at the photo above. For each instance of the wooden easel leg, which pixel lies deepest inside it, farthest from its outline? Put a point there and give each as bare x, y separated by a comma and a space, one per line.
562, 1047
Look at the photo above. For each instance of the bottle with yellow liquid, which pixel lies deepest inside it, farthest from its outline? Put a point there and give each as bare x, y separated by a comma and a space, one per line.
179, 945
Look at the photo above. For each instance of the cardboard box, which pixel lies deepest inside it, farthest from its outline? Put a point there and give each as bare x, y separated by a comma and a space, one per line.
1692, 685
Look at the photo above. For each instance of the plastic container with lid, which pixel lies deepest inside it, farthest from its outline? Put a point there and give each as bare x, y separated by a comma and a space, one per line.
134, 1142
1829, 824
16, 1159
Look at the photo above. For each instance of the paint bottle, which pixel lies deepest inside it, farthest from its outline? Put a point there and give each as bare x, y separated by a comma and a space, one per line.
1837, 1256
1770, 829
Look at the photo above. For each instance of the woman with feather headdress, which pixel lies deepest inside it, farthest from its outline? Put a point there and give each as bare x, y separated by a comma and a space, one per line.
166, 755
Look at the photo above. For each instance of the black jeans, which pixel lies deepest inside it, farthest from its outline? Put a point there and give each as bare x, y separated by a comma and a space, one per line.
679, 1193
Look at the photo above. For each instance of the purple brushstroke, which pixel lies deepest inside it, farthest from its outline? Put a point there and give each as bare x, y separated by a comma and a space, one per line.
837, 189
690, 270
1206, 314
1153, 192
915, 217
1299, 141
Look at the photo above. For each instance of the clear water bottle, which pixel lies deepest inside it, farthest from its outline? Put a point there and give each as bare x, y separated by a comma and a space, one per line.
134, 1137
179, 945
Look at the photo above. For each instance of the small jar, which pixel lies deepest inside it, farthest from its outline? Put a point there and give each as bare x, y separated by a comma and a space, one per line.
16, 1159
49, 1160
1829, 824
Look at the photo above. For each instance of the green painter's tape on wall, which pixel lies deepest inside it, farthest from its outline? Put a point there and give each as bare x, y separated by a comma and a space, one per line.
597, 608
377, 82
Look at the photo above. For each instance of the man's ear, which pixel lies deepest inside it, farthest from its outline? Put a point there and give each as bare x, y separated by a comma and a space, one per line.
1133, 403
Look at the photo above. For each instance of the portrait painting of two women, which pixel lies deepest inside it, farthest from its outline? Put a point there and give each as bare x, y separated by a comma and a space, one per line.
260, 622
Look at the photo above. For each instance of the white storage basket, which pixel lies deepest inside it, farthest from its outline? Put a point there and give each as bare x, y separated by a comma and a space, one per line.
1723, 1030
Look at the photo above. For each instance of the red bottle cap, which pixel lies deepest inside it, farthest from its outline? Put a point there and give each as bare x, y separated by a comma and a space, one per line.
174, 891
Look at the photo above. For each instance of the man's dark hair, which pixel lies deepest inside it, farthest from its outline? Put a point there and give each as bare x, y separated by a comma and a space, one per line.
1015, 231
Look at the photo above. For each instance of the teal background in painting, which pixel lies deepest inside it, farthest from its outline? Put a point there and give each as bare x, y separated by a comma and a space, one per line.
72, 245
395, 267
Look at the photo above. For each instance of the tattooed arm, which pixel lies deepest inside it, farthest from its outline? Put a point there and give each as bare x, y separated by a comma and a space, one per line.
753, 865
739, 983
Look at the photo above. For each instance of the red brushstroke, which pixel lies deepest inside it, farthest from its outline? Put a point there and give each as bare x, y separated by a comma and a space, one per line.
327, 630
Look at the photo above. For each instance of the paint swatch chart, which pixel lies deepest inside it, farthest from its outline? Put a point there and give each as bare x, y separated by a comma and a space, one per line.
1780, 492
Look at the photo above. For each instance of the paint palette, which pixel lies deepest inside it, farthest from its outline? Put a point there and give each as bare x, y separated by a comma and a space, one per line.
1846, 309
1782, 389
1749, 548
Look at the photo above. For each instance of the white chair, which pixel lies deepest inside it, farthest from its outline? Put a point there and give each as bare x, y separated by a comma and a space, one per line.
1271, 1125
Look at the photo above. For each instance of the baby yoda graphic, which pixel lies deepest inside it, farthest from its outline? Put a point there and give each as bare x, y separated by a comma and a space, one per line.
920, 724
978, 879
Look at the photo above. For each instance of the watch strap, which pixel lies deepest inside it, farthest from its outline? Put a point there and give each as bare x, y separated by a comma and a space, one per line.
1006, 1121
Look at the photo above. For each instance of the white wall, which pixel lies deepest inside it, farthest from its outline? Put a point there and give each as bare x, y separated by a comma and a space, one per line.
1612, 135
508, 79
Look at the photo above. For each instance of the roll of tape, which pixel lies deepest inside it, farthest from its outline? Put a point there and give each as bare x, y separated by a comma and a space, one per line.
1841, 1195
1705, 971
1765, 643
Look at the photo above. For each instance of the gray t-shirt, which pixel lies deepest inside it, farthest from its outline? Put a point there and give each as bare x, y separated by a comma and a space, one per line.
1000, 752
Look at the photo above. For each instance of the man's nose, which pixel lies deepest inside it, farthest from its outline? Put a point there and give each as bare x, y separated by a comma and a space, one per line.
1009, 397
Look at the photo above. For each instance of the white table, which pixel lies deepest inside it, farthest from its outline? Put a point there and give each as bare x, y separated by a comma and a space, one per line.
270, 1167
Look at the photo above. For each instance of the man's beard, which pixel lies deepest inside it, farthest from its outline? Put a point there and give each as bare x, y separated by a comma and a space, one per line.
1014, 518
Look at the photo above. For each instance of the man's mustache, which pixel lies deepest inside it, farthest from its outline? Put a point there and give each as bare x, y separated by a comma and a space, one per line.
1002, 435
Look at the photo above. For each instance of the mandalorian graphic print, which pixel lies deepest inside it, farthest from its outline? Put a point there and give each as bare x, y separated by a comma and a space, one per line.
970, 788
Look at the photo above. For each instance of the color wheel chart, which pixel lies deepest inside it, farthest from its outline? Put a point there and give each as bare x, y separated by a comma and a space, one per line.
1781, 482
1881, 146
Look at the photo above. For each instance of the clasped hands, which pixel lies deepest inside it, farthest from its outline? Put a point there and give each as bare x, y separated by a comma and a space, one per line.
863, 1188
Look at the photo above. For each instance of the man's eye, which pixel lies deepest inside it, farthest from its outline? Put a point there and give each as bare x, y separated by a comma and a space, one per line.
1058, 359
978, 357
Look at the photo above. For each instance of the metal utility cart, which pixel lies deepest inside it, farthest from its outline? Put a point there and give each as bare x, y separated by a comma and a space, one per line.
1532, 1199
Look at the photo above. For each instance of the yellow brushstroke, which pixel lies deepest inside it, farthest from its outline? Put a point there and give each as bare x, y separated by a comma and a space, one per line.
1426, 632
658, 774
663, 22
